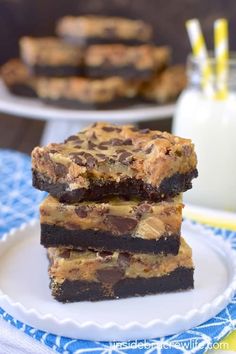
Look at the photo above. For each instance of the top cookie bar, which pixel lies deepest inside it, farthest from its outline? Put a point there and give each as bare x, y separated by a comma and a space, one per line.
103, 30
105, 160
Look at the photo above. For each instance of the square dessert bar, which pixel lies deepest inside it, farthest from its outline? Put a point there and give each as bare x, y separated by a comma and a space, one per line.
49, 56
115, 225
165, 86
91, 29
111, 160
130, 62
18, 79
86, 93
93, 276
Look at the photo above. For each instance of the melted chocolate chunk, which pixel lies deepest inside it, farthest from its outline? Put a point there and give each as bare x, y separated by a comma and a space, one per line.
77, 159
125, 158
102, 157
111, 129
82, 211
101, 146
110, 276
121, 224
117, 142
60, 169
123, 259
149, 149
91, 145
65, 254
143, 208
105, 254
73, 138
84, 159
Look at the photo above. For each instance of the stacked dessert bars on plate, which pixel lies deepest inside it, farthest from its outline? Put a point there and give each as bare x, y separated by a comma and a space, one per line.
112, 221
95, 62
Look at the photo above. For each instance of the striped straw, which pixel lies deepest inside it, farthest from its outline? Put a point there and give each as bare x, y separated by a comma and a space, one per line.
222, 57
200, 52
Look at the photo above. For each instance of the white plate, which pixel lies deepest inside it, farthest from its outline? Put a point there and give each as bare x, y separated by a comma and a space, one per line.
26, 296
34, 109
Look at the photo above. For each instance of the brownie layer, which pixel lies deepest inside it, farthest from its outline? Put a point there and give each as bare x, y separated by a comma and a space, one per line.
79, 290
54, 236
128, 72
87, 41
76, 104
57, 70
129, 188
22, 90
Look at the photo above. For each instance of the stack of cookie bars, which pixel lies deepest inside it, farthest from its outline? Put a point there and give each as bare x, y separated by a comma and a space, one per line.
112, 221
95, 63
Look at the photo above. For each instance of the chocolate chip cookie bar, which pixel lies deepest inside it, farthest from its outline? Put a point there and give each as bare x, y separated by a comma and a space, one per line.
130, 62
93, 276
111, 160
87, 30
49, 56
85, 93
18, 79
114, 225
166, 86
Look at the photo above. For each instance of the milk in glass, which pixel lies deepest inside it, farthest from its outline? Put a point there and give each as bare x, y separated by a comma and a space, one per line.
211, 124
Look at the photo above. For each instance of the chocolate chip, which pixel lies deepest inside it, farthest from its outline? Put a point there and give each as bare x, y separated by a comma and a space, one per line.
134, 129
82, 211
127, 142
125, 158
73, 138
110, 276
101, 146
102, 157
105, 254
60, 169
111, 129
83, 158
94, 136
167, 152
117, 142
91, 162
143, 208
65, 254
158, 136
91, 145
77, 159
120, 224
123, 260
149, 149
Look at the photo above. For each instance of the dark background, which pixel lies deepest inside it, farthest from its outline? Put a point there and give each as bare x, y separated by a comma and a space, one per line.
37, 18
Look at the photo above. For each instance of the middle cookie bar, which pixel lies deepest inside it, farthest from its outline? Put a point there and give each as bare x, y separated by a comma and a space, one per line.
114, 225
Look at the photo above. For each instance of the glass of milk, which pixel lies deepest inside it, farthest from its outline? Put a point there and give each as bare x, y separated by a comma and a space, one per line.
211, 124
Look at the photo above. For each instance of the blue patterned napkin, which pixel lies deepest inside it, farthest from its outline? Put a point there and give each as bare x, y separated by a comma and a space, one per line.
19, 203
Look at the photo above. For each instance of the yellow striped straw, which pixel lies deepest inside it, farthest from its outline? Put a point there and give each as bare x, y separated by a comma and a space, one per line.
222, 57
200, 53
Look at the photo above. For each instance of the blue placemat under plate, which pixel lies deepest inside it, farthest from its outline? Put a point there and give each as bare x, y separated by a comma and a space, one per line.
19, 203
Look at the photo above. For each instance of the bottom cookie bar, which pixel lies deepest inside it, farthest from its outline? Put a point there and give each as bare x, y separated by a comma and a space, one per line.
94, 276
85, 93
